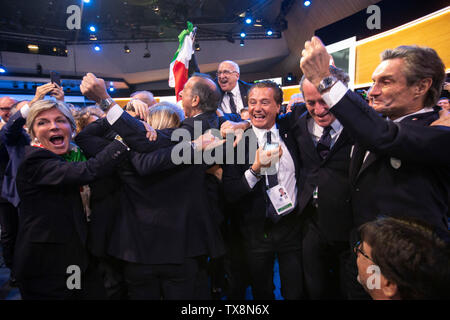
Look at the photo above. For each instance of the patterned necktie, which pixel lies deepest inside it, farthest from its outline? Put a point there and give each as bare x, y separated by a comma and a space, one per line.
272, 181
232, 104
324, 144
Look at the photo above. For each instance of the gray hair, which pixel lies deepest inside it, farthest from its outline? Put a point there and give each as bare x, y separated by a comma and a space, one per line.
420, 63
43, 105
234, 64
336, 72
207, 91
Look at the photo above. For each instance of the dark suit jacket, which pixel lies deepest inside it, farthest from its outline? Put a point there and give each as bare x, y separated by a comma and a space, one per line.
407, 171
334, 213
251, 203
165, 213
243, 89
13, 139
52, 223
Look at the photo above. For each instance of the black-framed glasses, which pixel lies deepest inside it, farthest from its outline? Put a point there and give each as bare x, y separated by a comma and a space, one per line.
225, 73
357, 248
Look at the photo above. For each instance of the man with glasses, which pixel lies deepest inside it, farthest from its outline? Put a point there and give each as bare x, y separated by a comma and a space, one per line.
6, 104
403, 259
234, 91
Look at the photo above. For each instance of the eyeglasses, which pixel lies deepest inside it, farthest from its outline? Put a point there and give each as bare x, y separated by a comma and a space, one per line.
225, 73
357, 248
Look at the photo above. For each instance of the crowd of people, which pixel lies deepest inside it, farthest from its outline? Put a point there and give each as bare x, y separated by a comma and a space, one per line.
147, 202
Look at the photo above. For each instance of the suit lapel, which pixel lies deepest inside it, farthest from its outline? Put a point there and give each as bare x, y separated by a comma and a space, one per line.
307, 141
421, 119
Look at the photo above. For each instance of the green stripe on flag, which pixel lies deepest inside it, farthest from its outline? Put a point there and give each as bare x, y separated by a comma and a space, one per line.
181, 36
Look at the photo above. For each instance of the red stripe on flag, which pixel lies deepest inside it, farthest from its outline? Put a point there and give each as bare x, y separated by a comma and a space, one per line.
180, 73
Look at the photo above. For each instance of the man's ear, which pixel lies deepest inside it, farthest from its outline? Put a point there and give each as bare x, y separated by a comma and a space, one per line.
390, 289
423, 86
195, 101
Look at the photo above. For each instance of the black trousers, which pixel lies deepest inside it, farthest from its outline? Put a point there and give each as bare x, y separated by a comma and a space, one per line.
235, 263
323, 263
54, 287
111, 272
186, 281
9, 221
282, 240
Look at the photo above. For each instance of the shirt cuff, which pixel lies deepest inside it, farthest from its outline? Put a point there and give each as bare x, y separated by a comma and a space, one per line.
251, 179
25, 110
336, 93
114, 113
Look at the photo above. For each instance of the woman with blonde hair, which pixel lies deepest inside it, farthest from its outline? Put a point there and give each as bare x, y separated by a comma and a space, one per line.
165, 115
52, 234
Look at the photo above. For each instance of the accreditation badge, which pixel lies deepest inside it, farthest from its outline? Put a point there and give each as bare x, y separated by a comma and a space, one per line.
280, 199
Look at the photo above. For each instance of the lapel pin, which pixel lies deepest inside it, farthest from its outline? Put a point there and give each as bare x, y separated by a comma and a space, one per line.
396, 163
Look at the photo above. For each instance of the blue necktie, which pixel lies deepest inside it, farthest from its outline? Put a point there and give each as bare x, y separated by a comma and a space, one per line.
324, 144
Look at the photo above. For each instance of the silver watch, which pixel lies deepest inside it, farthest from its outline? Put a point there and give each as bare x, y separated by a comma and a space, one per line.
106, 104
326, 83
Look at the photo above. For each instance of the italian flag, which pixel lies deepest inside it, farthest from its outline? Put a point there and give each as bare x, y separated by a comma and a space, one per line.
179, 65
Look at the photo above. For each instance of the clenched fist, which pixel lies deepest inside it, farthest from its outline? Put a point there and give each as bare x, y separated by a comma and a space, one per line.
93, 88
315, 61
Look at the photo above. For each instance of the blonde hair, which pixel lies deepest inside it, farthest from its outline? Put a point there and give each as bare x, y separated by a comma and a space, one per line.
164, 115
43, 105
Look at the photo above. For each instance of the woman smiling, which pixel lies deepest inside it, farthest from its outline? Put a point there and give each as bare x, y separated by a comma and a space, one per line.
52, 260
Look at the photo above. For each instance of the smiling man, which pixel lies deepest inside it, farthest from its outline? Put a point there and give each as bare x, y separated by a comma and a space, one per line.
399, 165
264, 230
234, 91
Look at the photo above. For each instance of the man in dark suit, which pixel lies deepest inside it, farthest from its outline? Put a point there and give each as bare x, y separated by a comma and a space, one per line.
234, 91
266, 233
399, 166
324, 197
166, 235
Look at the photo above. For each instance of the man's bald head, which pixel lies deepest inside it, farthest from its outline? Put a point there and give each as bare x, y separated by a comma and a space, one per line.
207, 91
144, 96
6, 104
228, 75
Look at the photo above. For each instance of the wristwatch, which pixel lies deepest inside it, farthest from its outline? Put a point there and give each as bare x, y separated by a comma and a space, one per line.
106, 104
326, 83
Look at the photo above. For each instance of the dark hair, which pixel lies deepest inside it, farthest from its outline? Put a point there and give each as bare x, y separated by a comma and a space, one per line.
412, 255
420, 63
336, 72
277, 92
207, 91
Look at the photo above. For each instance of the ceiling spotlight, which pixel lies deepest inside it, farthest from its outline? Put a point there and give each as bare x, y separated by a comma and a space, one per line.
111, 89
2, 69
87, 1
97, 48
242, 43
307, 3
248, 17
126, 49
92, 28
33, 47
289, 77
197, 47
243, 34
269, 32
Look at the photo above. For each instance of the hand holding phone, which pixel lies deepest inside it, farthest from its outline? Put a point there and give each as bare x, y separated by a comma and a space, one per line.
55, 77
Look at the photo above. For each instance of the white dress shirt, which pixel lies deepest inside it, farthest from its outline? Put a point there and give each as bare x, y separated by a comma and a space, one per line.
285, 167
237, 100
316, 131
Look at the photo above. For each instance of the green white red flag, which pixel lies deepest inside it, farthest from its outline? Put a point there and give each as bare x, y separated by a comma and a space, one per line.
179, 66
